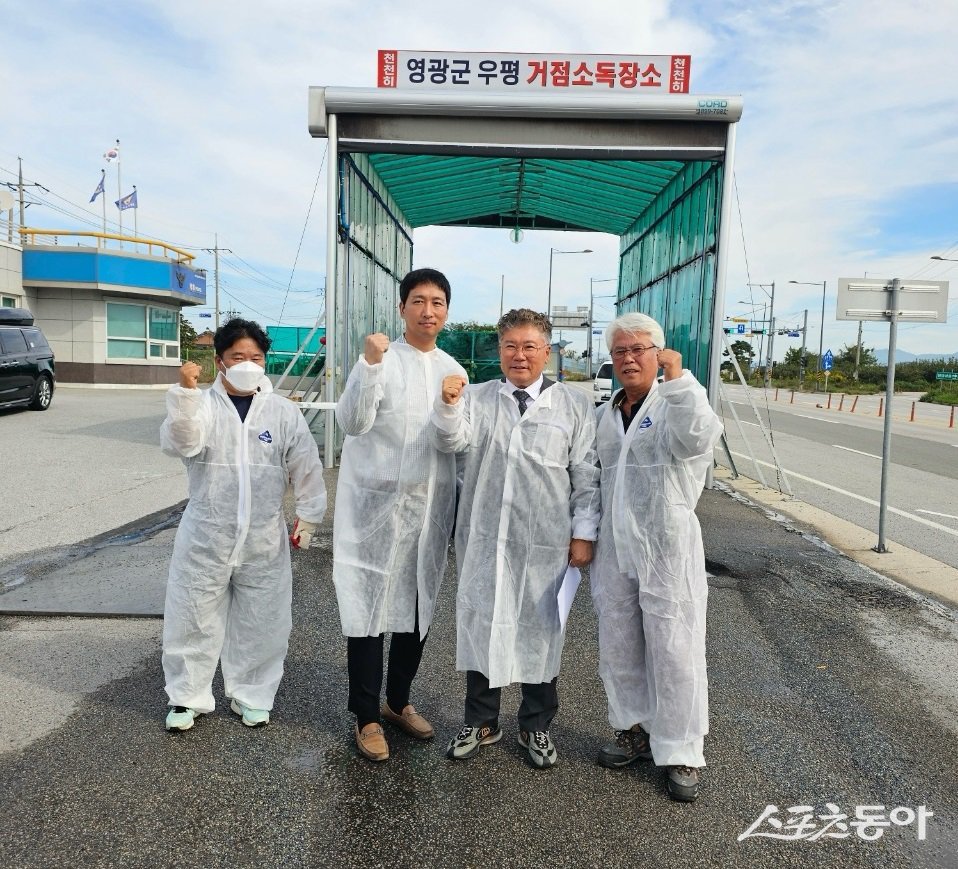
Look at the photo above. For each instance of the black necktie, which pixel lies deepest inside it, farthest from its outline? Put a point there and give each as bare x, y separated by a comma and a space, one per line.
522, 397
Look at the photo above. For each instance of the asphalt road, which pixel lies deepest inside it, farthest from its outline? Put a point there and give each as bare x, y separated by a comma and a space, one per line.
829, 684
85, 466
833, 460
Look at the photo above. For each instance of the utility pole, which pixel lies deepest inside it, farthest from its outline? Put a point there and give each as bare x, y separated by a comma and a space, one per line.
20, 186
858, 351
215, 250
771, 337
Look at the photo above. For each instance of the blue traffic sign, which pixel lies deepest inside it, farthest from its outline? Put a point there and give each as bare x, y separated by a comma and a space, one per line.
206, 315
827, 361
794, 334
740, 329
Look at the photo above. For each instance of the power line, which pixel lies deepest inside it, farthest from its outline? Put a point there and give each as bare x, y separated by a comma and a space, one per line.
303, 236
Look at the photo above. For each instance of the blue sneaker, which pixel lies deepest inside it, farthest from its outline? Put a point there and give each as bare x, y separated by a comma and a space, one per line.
181, 718
251, 717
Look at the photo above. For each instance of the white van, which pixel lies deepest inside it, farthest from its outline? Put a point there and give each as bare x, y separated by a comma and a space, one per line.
602, 383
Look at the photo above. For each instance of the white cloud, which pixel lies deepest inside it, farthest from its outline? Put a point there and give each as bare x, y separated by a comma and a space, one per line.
848, 107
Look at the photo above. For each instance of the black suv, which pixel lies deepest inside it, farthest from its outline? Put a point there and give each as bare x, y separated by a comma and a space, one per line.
26, 362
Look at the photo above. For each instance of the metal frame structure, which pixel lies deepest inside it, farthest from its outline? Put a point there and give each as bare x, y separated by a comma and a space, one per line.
537, 161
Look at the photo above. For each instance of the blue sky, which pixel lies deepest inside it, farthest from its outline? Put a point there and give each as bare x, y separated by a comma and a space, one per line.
845, 161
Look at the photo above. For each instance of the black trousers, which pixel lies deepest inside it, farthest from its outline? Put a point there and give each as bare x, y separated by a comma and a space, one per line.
540, 703
364, 659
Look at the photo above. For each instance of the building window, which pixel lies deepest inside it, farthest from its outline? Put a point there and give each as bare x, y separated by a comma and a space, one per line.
7, 302
133, 331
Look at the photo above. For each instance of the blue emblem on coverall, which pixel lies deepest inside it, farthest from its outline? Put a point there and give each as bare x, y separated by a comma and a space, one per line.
266, 437
645, 423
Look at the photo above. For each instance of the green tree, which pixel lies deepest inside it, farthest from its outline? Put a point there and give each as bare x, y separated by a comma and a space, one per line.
743, 353
846, 357
470, 326
793, 357
187, 333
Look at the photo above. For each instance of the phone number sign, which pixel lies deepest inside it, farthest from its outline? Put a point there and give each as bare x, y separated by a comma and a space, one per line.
569, 73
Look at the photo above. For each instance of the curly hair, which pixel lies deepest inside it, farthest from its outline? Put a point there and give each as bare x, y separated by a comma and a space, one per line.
524, 317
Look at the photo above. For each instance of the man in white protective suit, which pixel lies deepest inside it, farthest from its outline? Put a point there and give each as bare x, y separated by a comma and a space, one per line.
229, 592
529, 508
655, 441
395, 507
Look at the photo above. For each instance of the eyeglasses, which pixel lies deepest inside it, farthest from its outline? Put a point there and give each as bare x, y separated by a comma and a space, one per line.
529, 349
636, 351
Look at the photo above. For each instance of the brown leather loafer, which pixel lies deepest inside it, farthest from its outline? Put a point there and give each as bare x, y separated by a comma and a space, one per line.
410, 721
371, 742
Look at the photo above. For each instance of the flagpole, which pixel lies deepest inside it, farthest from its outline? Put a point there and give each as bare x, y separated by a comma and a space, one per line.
103, 185
136, 231
119, 187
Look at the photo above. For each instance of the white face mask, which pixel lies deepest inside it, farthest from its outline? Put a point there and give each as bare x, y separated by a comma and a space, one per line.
244, 376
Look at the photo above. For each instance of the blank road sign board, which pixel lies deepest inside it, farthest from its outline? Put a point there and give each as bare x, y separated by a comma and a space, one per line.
870, 299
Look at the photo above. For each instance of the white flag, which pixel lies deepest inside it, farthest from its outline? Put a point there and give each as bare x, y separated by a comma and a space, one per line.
112, 154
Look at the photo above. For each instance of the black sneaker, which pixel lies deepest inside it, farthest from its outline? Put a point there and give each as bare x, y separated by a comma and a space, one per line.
683, 783
467, 742
539, 745
629, 746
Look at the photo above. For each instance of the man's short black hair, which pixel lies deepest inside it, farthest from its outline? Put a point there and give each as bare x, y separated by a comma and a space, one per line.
418, 277
233, 330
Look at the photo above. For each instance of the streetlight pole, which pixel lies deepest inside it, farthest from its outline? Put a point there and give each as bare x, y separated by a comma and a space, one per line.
592, 283
821, 332
771, 328
552, 251
801, 359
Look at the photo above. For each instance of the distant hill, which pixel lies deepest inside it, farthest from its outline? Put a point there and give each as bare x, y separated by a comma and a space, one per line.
904, 356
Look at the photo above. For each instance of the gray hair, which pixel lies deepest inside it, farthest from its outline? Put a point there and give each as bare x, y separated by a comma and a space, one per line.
635, 322
524, 317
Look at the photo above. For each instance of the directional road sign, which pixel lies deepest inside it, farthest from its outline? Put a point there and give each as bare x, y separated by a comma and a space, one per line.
827, 360
946, 375
740, 328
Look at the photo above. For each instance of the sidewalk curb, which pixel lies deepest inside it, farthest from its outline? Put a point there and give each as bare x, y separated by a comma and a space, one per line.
912, 569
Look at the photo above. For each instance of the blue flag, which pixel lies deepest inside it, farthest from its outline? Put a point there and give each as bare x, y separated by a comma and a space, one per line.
128, 201
99, 188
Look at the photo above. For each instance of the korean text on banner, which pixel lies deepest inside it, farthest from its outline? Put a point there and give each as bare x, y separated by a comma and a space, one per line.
561, 73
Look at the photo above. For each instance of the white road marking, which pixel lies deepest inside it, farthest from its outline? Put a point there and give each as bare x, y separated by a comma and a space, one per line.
933, 513
819, 419
861, 498
849, 449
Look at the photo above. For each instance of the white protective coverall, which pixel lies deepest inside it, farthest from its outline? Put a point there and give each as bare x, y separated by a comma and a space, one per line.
648, 575
230, 585
396, 497
530, 485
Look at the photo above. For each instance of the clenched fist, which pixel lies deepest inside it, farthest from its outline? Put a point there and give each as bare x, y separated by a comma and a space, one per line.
376, 346
189, 375
670, 361
452, 387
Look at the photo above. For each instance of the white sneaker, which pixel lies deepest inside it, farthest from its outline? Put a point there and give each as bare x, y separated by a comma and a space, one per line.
181, 718
251, 717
